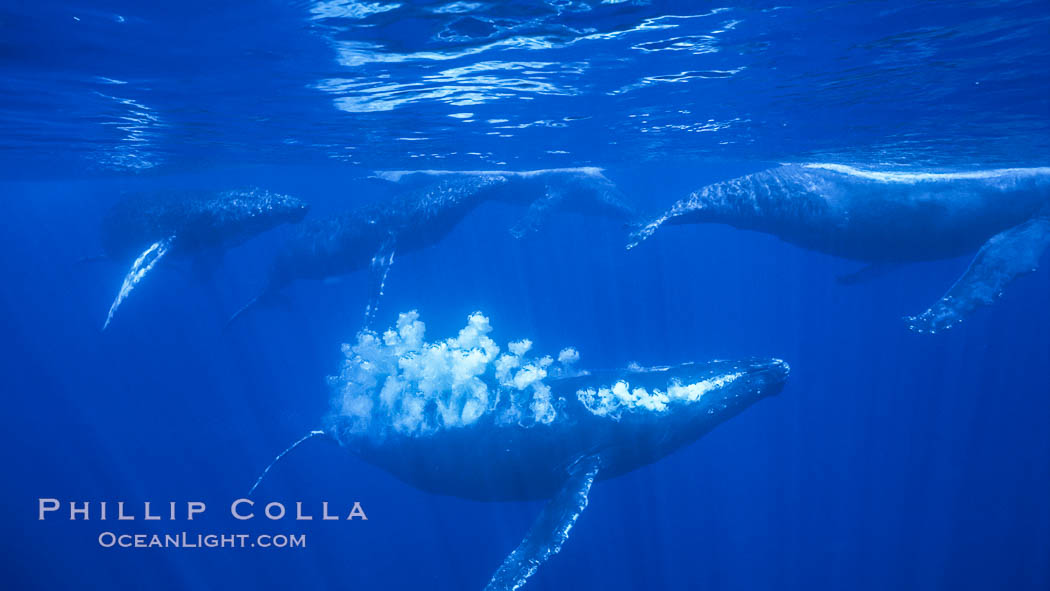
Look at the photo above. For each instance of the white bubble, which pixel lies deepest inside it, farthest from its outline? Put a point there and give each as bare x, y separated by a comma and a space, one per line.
401, 383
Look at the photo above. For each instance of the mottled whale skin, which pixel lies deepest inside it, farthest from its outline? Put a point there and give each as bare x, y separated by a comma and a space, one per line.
885, 218
343, 244
188, 225
433, 204
488, 461
201, 221
491, 460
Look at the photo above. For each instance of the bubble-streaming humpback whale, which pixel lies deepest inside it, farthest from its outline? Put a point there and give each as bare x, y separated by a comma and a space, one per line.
371, 235
187, 224
461, 417
891, 217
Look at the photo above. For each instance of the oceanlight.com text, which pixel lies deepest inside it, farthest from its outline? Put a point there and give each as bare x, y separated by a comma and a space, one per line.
108, 539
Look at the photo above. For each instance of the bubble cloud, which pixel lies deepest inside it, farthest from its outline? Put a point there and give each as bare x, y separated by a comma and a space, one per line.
398, 383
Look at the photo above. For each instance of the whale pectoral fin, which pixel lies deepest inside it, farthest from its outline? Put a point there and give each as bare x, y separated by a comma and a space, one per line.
538, 212
867, 273
550, 530
1005, 256
378, 269
139, 268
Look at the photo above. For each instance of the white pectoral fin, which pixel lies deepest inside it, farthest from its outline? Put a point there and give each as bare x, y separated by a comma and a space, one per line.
550, 530
1006, 255
378, 270
139, 268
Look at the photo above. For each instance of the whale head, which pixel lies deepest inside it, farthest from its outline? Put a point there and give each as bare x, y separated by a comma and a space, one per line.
643, 414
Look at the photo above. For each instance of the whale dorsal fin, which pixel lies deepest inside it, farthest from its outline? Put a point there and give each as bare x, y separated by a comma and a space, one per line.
1006, 255
550, 530
139, 268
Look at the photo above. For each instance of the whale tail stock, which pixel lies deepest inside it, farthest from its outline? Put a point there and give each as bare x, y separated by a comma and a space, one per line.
1007, 255
551, 528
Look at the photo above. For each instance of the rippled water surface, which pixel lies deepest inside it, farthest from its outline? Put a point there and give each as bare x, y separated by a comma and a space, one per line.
130, 86
890, 460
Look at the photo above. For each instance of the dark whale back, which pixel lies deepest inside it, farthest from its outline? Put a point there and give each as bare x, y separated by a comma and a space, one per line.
199, 220
341, 244
891, 217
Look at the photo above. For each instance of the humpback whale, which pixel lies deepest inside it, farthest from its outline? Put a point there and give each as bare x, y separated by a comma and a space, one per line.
584, 190
155, 225
886, 218
433, 203
463, 417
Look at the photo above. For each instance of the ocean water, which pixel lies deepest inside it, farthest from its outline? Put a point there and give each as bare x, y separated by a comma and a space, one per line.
890, 459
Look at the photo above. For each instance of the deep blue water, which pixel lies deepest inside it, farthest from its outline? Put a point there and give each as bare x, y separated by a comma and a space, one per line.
890, 460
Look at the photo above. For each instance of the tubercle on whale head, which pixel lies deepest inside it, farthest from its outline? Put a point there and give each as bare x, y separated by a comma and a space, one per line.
291, 209
267, 204
668, 390
651, 412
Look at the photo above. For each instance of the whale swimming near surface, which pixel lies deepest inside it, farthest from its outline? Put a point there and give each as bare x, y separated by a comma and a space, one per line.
887, 218
584, 190
463, 417
432, 205
151, 226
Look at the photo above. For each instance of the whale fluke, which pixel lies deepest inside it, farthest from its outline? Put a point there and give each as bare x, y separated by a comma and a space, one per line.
550, 530
139, 268
1005, 256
